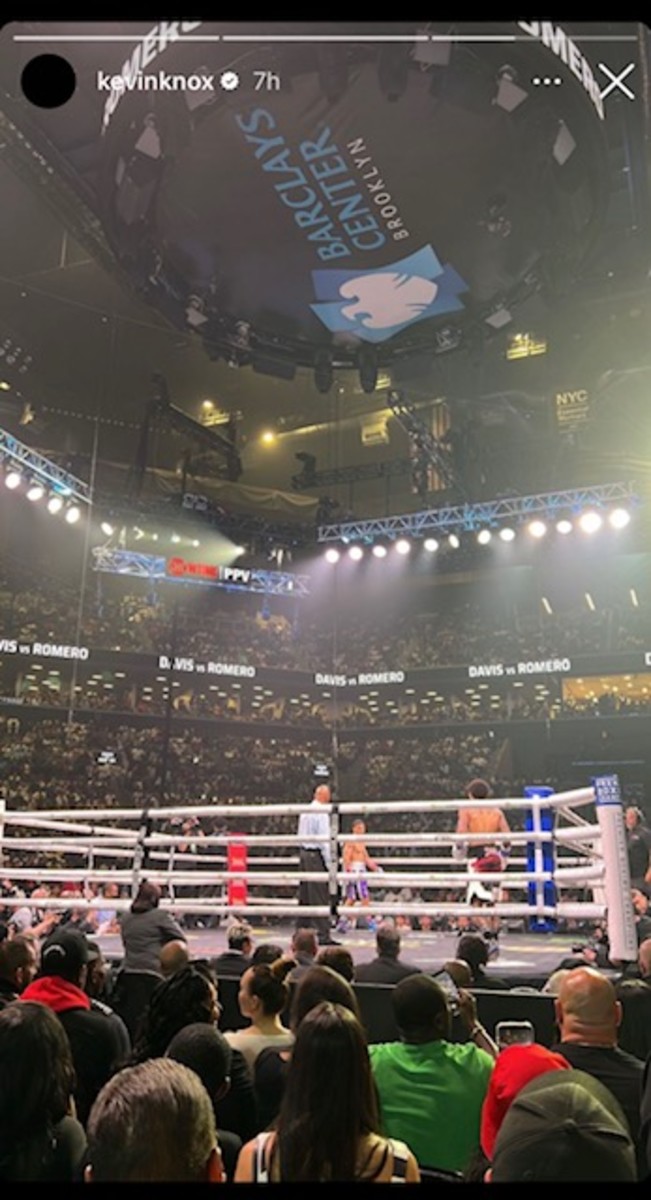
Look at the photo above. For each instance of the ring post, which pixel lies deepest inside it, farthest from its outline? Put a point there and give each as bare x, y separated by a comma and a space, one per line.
617, 876
140, 851
333, 886
540, 857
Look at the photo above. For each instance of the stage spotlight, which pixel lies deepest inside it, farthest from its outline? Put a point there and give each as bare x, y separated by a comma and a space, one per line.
431, 544
323, 372
590, 521
13, 480
564, 526
380, 551
54, 504
403, 546
238, 550
367, 366
509, 95
332, 555
453, 541
619, 518
73, 514
268, 438
564, 146
537, 529
175, 538
484, 536
393, 71
36, 492
196, 543
507, 534
355, 553
107, 529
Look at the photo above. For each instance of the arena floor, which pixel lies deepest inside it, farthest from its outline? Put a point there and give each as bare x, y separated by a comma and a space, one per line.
520, 954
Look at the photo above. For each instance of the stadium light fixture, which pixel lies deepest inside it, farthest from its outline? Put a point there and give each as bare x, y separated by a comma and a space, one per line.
591, 521
507, 534
356, 553
564, 526
73, 514
332, 555
403, 546
453, 541
484, 537
54, 504
380, 551
619, 518
107, 529
537, 529
13, 480
431, 545
35, 492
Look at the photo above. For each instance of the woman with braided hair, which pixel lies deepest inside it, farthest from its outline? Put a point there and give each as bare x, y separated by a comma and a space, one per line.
188, 997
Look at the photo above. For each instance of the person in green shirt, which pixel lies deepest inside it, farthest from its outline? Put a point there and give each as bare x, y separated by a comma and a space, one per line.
431, 1089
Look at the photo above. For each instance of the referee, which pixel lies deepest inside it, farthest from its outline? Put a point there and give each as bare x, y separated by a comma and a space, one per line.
315, 856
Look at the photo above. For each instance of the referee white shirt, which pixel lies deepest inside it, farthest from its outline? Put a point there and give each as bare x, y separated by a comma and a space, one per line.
316, 823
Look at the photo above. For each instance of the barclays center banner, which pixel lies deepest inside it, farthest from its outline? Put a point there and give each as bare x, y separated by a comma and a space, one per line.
290, 189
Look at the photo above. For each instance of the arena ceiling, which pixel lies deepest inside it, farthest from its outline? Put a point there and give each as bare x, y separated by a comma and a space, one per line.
125, 261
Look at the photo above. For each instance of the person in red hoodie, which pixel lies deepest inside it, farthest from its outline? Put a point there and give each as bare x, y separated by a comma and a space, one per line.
515, 1067
94, 1041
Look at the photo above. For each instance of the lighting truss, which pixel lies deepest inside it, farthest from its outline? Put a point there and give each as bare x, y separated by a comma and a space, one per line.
470, 517
42, 470
436, 453
154, 566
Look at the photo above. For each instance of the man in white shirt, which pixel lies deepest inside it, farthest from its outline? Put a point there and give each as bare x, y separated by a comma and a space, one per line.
315, 856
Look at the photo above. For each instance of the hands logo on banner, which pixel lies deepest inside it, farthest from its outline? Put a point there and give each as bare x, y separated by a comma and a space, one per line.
377, 304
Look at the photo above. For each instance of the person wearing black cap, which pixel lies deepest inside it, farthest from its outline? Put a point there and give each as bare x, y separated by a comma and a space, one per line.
564, 1127
94, 1040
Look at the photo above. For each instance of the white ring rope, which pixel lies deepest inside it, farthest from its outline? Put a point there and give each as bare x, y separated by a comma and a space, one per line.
165, 863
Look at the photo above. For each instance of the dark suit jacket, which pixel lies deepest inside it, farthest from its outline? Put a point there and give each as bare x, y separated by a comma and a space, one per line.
231, 963
384, 970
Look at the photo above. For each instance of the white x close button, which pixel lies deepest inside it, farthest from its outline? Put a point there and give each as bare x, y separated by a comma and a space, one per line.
616, 81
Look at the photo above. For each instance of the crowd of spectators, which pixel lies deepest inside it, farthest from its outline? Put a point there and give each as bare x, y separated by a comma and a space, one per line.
285, 1086
114, 692
210, 625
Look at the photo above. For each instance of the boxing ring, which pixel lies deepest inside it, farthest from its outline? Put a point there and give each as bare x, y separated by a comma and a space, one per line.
561, 850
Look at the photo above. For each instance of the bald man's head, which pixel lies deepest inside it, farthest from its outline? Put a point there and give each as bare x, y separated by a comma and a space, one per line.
174, 957
587, 1009
459, 971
